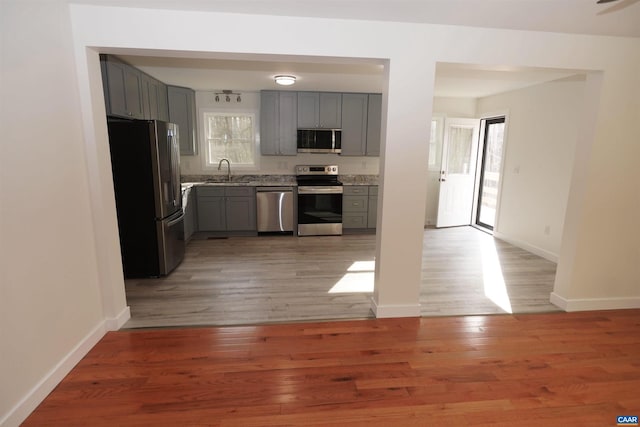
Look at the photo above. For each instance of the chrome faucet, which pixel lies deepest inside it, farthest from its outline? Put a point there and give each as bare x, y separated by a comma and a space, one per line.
228, 168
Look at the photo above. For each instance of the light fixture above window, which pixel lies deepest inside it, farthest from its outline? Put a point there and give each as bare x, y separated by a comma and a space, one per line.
226, 93
285, 80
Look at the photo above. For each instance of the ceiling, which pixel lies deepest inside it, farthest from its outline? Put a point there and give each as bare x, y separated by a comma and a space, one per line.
620, 18
242, 73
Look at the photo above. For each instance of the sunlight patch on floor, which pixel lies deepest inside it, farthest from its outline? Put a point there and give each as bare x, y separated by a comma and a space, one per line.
359, 278
494, 287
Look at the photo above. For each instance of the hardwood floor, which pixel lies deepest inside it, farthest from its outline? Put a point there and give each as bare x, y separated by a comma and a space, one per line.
257, 280
555, 369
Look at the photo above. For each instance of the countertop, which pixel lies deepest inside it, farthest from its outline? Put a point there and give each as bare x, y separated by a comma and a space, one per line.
269, 181
186, 185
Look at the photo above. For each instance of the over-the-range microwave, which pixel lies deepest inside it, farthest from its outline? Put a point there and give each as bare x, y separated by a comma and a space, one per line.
319, 140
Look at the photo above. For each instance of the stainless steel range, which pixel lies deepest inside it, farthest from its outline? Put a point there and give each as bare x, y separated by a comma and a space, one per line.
319, 200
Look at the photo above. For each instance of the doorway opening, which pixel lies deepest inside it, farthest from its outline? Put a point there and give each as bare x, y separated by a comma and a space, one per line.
490, 169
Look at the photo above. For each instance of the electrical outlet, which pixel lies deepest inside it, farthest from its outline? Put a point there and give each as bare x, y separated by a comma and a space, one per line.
547, 230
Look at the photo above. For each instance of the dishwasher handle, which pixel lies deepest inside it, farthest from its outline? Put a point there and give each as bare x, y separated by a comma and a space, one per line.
272, 189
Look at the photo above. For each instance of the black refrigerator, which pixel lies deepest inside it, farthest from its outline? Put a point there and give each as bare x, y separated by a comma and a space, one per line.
145, 160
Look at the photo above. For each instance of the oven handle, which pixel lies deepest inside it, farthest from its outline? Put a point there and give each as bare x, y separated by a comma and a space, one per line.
326, 189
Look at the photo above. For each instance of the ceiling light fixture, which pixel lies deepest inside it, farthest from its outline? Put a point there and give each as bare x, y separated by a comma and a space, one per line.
285, 80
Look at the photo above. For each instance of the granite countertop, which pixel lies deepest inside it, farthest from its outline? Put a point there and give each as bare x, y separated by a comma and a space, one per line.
186, 185
189, 181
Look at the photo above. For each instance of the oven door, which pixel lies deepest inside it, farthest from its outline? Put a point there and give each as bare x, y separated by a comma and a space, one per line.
319, 210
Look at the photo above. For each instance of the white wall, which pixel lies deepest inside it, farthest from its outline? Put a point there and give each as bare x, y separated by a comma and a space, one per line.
277, 165
58, 284
454, 107
538, 161
50, 296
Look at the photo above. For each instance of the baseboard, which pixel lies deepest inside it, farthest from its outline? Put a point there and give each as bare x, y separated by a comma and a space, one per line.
590, 304
395, 310
40, 391
115, 323
549, 256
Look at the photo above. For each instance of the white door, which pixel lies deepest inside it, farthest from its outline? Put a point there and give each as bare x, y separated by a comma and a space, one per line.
457, 176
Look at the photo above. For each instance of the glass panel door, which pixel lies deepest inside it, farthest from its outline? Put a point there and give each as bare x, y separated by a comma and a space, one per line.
490, 172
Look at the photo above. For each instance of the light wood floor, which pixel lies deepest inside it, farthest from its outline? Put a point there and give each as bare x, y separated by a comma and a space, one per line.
559, 369
256, 280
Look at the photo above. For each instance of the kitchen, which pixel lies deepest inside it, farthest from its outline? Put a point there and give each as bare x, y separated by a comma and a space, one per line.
212, 189
222, 199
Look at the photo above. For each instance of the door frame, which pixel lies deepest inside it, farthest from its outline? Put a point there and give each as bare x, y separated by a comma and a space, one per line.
483, 118
443, 175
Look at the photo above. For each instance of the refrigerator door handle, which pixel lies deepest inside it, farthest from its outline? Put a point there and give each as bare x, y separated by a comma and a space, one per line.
172, 222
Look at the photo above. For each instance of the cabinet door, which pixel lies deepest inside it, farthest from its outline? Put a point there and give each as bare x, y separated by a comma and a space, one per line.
149, 98
354, 204
211, 214
308, 110
181, 112
372, 213
189, 215
330, 111
163, 102
269, 123
241, 213
374, 122
287, 125
354, 220
123, 91
354, 124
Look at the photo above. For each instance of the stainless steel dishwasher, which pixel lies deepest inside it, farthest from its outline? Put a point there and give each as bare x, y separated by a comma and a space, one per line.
274, 209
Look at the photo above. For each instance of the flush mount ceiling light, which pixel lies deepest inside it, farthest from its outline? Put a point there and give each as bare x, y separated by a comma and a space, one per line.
285, 80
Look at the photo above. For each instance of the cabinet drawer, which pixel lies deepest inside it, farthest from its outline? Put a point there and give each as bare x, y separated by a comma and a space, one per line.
210, 191
373, 190
239, 191
357, 190
354, 220
354, 204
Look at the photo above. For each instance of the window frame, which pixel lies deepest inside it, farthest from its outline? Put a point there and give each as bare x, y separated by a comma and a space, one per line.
202, 116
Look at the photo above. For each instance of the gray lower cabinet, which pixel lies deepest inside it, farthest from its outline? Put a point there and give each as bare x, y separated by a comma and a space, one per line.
278, 123
122, 85
354, 206
372, 209
182, 110
240, 208
359, 207
226, 208
190, 214
211, 209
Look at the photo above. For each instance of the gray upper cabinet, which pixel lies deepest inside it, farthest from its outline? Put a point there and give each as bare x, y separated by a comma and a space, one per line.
374, 121
122, 88
154, 97
278, 123
354, 124
182, 110
319, 110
